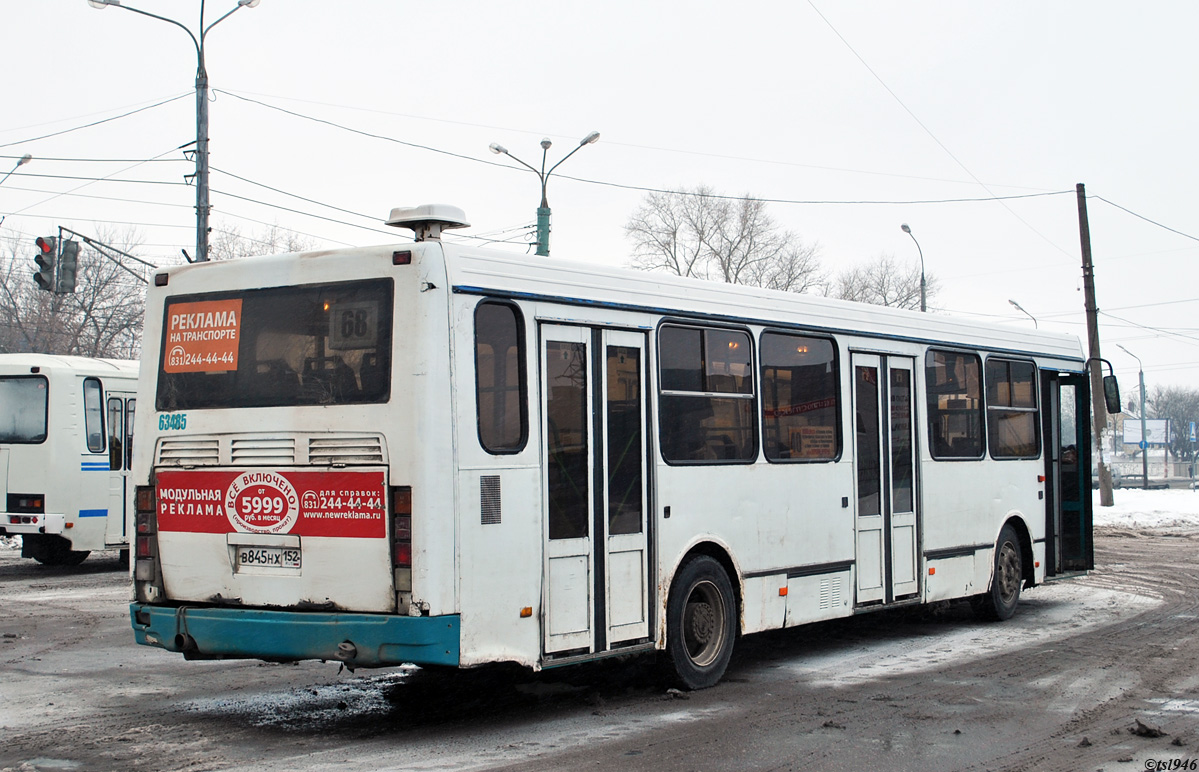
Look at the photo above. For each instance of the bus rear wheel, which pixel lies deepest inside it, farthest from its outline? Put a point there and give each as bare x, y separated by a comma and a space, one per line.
51, 550
701, 623
999, 602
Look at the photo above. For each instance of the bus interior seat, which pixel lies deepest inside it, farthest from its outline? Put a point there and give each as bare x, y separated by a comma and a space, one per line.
371, 374
723, 383
275, 376
722, 447
329, 378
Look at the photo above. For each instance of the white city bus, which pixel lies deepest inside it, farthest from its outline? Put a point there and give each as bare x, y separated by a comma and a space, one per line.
66, 432
442, 455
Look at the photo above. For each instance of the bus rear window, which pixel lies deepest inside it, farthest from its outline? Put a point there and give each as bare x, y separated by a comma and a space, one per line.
326, 344
23, 409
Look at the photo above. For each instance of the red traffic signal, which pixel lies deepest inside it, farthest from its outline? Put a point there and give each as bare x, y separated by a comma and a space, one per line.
45, 257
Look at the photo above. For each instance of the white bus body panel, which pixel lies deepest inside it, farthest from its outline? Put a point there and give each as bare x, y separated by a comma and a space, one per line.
85, 498
478, 525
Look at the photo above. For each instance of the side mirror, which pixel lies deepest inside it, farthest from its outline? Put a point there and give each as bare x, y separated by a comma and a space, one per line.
1111, 394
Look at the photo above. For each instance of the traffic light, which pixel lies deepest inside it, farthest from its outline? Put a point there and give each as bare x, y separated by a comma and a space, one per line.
68, 264
47, 251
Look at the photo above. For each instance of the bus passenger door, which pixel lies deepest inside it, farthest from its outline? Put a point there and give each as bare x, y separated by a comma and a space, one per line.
886, 521
626, 558
593, 423
1068, 466
120, 454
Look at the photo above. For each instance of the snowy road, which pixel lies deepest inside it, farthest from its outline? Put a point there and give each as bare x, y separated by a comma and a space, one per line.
1057, 687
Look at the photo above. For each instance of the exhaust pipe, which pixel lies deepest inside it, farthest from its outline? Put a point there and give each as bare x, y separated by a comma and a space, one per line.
347, 651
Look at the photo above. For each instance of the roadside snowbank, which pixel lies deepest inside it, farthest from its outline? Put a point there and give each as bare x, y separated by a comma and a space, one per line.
1148, 509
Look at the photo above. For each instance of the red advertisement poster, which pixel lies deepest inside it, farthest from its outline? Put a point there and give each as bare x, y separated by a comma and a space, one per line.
202, 337
350, 504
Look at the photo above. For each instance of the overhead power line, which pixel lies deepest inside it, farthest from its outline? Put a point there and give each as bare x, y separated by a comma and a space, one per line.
814, 202
42, 158
1189, 338
929, 131
1146, 219
372, 135
117, 199
101, 179
94, 123
654, 148
641, 188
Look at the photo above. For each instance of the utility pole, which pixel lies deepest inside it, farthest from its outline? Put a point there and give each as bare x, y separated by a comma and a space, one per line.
203, 208
1098, 405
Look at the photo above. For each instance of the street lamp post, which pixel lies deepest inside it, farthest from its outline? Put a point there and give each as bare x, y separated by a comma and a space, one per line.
1020, 308
1144, 436
24, 160
923, 284
202, 207
543, 211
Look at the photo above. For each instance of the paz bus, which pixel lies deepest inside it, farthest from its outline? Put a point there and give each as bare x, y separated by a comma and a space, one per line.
66, 435
430, 453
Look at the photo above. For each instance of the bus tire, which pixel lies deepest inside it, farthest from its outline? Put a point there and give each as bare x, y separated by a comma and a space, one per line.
999, 602
701, 623
51, 551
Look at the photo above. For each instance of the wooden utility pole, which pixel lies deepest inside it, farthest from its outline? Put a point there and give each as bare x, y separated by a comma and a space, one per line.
1098, 405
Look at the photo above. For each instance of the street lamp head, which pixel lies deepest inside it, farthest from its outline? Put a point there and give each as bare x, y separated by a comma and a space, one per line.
546, 144
906, 229
248, 3
25, 159
498, 149
590, 139
102, 3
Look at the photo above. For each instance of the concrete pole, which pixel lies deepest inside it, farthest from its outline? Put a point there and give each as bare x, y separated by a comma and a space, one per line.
1098, 406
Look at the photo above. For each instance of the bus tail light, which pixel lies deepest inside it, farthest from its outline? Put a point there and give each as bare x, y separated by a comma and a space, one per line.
401, 537
27, 503
146, 500
145, 546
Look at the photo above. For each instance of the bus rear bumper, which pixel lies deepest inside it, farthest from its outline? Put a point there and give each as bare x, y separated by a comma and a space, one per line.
359, 640
19, 523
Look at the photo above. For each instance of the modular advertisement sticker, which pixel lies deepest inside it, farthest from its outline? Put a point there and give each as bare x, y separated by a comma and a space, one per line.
202, 337
273, 502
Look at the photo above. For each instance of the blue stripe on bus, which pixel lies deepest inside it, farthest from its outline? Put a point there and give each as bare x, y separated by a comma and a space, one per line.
380, 639
94, 466
93, 513
777, 323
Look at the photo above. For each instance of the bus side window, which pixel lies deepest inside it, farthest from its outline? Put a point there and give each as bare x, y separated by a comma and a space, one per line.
800, 405
1013, 425
93, 415
116, 424
500, 384
955, 406
706, 399
130, 406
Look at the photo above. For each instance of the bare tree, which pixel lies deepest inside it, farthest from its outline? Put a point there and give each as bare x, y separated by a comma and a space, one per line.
884, 282
1179, 406
102, 318
228, 242
698, 234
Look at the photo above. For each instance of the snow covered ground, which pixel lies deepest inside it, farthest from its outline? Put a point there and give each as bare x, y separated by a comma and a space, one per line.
1160, 509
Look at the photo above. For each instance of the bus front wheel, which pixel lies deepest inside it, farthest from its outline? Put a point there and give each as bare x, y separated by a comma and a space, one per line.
999, 602
701, 619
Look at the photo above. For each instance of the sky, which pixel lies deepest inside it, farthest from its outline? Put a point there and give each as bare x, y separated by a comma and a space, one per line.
971, 122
